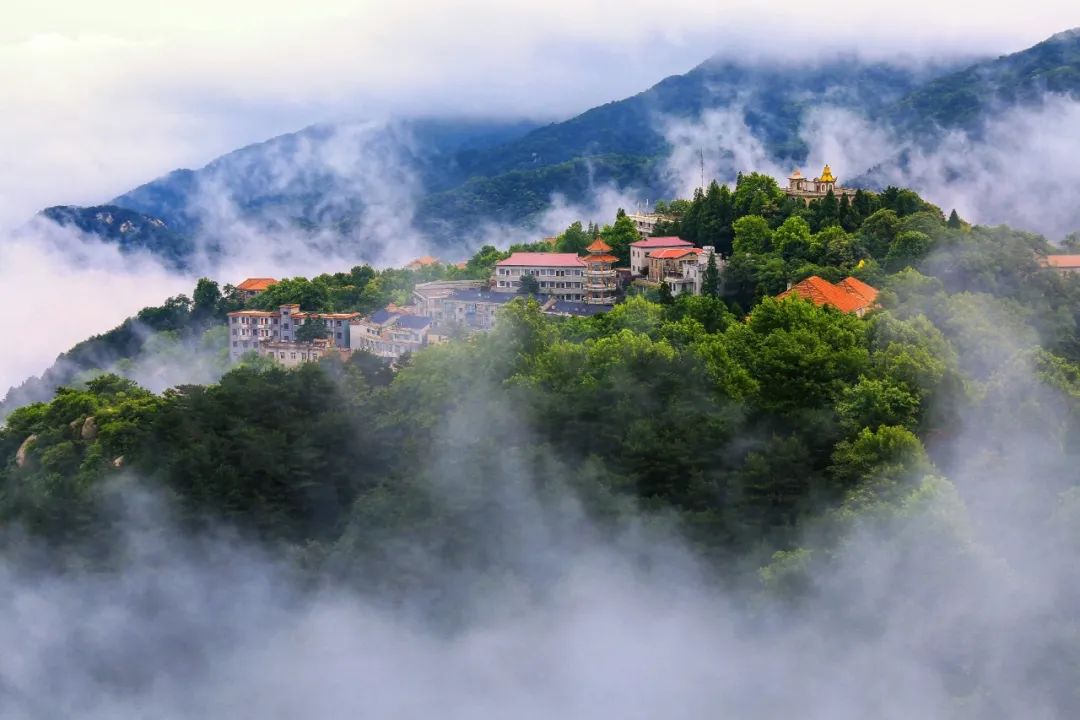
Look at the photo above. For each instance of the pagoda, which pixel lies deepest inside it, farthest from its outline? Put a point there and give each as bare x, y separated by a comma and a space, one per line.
807, 190
600, 278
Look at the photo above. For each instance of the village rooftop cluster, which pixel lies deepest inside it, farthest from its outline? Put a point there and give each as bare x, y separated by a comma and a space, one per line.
566, 284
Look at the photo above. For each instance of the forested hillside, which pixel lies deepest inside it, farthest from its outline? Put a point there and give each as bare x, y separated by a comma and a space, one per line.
786, 443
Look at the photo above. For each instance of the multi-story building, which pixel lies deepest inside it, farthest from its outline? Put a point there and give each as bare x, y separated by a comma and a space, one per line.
292, 354
248, 329
601, 282
646, 222
639, 251
390, 334
560, 275
427, 297
470, 308
676, 267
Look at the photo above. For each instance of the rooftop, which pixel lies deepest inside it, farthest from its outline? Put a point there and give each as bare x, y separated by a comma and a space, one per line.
541, 259
674, 253
579, 309
1063, 261
661, 242
424, 261
380, 317
849, 295
413, 322
599, 246
252, 313
256, 284
474, 295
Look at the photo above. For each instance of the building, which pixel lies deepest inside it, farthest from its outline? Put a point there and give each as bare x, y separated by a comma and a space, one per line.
816, 189
254, 286
422, 262
390, 334
1062, 263
646, 222
560, 275
249, 329
601, 282
639, 251
850, 295
683, 269
469, 308
293, 354
427, 297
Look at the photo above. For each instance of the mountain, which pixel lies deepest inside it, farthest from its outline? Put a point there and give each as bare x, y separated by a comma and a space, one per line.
132, 231
371, 183
964, 99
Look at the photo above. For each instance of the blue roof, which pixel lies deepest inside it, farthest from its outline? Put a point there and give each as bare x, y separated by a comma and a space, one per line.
382, 316
481, 296
577, 308
413, 322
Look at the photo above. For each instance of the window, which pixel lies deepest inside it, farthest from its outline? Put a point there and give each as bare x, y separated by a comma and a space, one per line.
234, 343
292, 356
235, 320
339, 334
285, 326
234, 332
282, 354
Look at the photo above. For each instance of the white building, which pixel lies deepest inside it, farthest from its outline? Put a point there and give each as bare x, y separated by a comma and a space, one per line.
639, 251
248, 329
646, 222
389, 334
683, 269
559, 275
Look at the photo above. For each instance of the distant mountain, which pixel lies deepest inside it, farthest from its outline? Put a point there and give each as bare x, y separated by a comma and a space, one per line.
444, 178
963, 99
131, 231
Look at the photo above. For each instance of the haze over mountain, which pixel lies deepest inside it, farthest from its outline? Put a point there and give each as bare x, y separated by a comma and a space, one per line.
369, 186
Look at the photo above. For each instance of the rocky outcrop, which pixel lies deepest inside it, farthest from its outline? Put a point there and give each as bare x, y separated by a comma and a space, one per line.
89, 429
23, 453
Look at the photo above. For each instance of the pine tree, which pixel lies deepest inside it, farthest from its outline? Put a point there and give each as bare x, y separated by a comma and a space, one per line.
954, 220
710, 284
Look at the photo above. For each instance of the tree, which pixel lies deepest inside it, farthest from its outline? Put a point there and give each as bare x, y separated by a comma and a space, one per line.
619, 236
529, 285
710, 282
313, 328
792, 239
954, 220
907, 249
573, 240
205, 300
665, 296
752, 235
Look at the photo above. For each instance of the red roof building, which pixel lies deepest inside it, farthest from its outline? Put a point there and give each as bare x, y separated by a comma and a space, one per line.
850, 295
1063, 263
639, 251
541, 260
253, 286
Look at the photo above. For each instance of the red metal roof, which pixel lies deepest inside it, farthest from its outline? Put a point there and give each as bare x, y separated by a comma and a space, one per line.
256, 284
674, 253
850, 295
541, 259
661, 242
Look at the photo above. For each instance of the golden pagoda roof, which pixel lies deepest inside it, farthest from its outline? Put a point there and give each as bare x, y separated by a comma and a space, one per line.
826, 175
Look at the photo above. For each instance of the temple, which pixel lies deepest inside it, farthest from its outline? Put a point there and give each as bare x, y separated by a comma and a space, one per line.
807, 190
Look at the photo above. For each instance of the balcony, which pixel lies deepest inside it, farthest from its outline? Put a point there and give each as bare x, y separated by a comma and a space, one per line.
594, 285
599, 273
606, 300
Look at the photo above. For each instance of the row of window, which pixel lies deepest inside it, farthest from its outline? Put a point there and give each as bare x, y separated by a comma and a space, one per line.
539, 271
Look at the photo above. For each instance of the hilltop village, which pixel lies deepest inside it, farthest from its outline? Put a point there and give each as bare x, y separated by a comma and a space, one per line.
564, 284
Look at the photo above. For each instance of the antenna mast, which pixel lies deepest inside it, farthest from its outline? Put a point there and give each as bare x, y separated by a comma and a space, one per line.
701, 156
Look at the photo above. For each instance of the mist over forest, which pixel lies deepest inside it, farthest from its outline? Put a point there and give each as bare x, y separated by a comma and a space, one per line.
735, 501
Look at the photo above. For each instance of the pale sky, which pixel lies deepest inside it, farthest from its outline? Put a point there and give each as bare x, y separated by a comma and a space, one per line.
100, 96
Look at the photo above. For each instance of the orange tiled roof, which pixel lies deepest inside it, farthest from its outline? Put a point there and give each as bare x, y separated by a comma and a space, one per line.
599, 246
600, 259
674, 253
424, 261
256, 284
850, 295
1063, 261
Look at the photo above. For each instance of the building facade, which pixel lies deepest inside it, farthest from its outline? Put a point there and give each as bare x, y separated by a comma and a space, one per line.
601, 281
683, 269
294, 354
639, 251
646, 222
427, 297
806, 189
560, 275
249, 329
254, 286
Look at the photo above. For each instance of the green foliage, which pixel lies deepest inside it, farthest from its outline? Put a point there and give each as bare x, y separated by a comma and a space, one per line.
312, 328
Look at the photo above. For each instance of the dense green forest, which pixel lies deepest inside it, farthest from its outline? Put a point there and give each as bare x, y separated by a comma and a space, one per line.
768, 432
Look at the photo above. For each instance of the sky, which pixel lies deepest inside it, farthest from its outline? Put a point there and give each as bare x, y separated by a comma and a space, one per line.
100, 97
